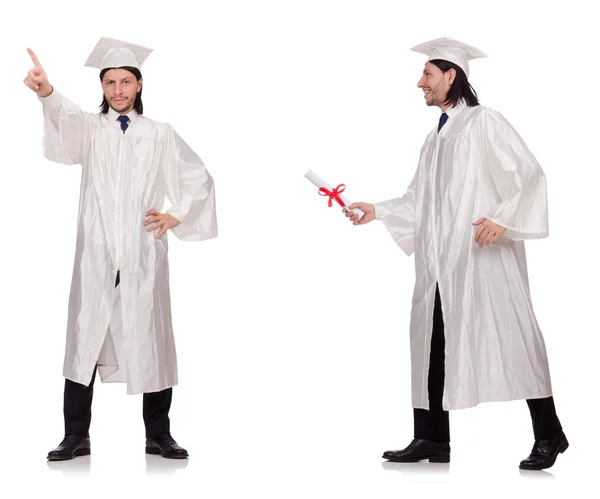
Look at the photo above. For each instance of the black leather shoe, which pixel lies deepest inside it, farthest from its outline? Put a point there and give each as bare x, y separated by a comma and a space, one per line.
544, 453
420, 449
165, 446
71, 446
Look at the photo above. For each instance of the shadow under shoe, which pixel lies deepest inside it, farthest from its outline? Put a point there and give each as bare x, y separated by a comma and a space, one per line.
71, 446
165, 446
419, 450
544, 453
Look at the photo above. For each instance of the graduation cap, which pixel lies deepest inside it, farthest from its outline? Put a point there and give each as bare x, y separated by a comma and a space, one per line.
111, 53
449, 49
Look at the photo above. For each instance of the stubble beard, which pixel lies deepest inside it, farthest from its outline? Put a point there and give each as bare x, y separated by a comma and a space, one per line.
123, 108
435, 101
434, 94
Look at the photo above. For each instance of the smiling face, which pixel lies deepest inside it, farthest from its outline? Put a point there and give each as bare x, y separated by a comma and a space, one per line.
436, 84
120, 89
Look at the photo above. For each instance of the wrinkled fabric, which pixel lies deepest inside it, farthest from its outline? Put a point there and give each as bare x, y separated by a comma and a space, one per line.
127, 330
477, 166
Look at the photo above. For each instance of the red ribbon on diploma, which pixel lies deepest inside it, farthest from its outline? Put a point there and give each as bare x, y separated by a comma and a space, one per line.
334, 194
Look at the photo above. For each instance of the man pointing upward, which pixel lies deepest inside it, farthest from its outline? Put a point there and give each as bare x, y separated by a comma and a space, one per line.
119, 321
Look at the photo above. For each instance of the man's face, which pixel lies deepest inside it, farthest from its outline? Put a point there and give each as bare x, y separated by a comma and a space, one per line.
435, 84
120, 88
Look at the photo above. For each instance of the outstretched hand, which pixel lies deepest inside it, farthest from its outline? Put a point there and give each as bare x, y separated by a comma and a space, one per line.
36, 78
164, 221
367, 208
488, 232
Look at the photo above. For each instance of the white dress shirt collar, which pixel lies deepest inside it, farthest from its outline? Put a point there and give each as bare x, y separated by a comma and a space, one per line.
457, 108
112, 116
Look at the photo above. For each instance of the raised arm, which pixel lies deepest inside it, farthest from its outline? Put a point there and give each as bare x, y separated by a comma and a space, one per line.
66, 126
36, 78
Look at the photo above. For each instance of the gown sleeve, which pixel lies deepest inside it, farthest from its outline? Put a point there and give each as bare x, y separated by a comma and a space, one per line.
67, 130
398, 217
191, 191
518, 179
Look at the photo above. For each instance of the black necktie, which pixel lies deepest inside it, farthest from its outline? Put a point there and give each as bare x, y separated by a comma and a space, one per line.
443, 119
124, 122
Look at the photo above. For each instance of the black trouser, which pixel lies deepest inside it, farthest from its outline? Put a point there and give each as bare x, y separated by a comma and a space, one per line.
78, 407
433, 424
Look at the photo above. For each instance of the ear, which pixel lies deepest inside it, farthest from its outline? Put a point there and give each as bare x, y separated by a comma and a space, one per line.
451, 73
140, 81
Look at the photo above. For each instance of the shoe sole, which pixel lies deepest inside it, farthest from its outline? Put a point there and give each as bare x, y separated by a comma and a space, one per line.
82, 452
432, 459
562, 448
156, 452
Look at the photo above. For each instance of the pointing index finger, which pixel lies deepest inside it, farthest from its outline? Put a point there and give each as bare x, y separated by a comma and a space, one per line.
36, 61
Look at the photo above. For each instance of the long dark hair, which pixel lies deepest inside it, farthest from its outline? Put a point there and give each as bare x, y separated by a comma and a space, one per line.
137, 105
460, 88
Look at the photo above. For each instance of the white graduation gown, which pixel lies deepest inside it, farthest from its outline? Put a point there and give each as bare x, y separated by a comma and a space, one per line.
126, 330
477, 166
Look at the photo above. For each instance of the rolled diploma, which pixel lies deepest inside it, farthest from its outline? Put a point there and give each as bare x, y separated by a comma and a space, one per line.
319, 182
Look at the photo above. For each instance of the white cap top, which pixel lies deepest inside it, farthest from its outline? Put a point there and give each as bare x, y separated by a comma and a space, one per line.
111, 53
449, 49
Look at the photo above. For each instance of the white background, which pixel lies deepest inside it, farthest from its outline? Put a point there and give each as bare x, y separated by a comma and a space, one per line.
292, 325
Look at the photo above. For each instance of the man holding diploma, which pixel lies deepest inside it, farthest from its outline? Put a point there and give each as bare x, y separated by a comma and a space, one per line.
477, 195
